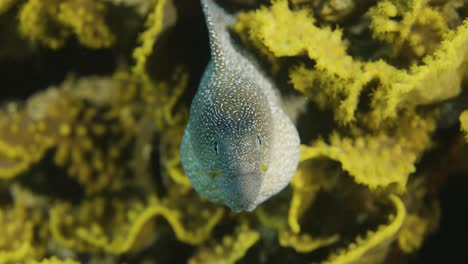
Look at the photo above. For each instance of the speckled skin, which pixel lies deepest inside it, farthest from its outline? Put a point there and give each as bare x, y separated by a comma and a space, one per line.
239, 147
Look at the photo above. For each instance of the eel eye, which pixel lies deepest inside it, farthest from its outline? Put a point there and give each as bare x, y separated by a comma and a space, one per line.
259, 141
216, 147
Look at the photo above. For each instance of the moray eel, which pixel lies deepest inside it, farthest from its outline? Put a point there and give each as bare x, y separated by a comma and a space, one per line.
239, 147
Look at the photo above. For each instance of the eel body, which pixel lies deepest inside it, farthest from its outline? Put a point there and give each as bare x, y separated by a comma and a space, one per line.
239, 147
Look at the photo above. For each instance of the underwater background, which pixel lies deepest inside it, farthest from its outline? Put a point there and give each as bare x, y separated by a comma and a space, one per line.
95, 96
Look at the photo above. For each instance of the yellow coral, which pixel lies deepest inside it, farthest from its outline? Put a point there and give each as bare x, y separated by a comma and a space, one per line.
162, 97
89, 228
438, 79
359, 157
421, 27
51, 22
292, 33
23, 139
304, 243
412, 233
288, 33
86, 19
34, 23
337, 80
382, 159
308, 180
154, 26
304, 193
92, 136
464, 123
373, 247
230, 250
16, 234
192, 222
170, 158
423, 217
54, 260
5, 5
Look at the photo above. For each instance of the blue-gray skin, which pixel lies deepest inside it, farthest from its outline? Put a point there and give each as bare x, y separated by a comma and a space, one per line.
239, 147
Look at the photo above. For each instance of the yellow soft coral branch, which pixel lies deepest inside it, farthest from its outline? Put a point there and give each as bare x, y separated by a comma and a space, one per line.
164, 95
230, 250
381, 159
421, 27
23, 140
34, 23
168, 95
121, 245
154, 24
303, 195
86, 19
86, 228
80, 231
373, 247
372, 161
83, 127
337, 80
310, 177
16, 231
439, 78
192, 222
331, 90
291, 33
170, 156
412, 233
464, 123
304, 243
54, 260
52, 21
242, 27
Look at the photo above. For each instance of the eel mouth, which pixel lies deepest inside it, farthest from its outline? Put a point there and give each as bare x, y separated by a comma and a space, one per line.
242, 191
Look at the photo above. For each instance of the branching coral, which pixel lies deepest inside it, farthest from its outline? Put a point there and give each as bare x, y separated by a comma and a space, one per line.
73, 229
230, 250
51, 22
304, 243
338, 80
373, 247
396, 154
408, 23
422, 218
22, 232
117, 226
27, 133
309, 179
81, 128
16, 234
412, 234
